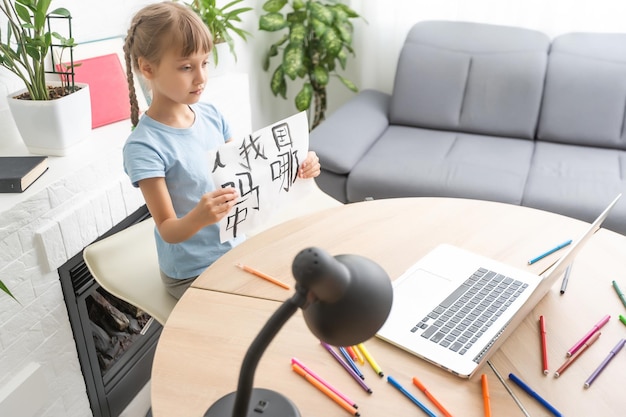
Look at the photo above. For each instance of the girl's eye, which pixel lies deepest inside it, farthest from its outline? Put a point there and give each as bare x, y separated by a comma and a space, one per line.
186, 67
205, 63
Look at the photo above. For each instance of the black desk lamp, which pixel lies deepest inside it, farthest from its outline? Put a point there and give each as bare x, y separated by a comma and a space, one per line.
345, 300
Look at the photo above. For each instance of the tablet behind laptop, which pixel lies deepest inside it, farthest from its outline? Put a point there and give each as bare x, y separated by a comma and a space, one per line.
453, 308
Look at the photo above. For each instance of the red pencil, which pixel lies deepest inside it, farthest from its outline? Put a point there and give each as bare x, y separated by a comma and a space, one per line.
544, 346
351, 352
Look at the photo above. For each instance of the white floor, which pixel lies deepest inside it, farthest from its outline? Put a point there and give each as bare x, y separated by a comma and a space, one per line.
140, 405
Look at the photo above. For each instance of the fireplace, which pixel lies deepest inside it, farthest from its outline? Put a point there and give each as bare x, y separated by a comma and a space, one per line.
114, 340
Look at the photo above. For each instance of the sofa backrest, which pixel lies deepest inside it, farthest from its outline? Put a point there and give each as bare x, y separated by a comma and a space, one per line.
470, 77
585, 91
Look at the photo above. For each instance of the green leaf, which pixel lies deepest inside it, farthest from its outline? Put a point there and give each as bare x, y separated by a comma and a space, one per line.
40, 18
351, 86
61, 11
319, 27
292, 60
278, 83
340, 14
297, 33
272, 22
321, 12
298, 4
273, 6
332, 42
6, 290
273, 51
320, 75
23, 13
297, 17
343, 58
351, 13
303, 98
345, 32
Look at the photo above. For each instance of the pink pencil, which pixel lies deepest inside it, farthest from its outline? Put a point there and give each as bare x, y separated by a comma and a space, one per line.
590, 333
326, 384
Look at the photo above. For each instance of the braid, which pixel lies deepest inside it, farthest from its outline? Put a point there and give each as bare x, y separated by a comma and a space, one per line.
132, 95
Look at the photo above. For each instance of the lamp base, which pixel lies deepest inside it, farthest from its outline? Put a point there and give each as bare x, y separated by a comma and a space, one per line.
263, 403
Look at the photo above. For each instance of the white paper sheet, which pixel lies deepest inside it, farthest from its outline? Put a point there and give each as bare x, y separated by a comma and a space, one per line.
263, 167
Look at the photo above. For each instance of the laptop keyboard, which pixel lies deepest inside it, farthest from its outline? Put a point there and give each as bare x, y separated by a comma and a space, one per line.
466, 314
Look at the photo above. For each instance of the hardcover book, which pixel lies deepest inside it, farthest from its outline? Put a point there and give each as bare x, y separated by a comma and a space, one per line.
17, 173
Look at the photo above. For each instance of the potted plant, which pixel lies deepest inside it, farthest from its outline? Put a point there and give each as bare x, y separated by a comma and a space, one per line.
51, 116
318, 41
222, 23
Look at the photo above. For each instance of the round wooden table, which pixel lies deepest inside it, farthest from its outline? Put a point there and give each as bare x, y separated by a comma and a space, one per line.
202, 345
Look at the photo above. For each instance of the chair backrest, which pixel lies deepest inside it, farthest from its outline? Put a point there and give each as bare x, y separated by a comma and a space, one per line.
125, 264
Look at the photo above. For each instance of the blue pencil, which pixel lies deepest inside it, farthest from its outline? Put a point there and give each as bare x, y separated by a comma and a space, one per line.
403, 390
551, 251
533, 394
350, 362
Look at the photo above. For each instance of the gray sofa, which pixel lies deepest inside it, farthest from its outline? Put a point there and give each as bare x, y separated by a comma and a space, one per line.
488, 112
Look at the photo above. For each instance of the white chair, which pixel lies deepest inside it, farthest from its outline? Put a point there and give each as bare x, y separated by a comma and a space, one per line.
125, 264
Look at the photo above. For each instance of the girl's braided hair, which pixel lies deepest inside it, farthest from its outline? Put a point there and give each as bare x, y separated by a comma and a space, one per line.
157, 28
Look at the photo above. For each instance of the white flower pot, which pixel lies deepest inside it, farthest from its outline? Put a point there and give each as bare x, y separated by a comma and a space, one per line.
52, 127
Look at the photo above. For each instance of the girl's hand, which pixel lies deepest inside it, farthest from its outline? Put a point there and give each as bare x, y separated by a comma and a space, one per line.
310, 168
213, 206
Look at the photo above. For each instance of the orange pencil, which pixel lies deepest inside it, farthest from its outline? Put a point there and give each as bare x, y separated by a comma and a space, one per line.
432, 399
317, 384
263, 275
486, 401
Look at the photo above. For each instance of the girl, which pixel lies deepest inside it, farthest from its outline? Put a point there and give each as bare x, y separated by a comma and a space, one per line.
165, 155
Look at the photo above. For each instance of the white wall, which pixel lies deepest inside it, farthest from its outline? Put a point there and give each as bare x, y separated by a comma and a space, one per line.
380, 40
378, 36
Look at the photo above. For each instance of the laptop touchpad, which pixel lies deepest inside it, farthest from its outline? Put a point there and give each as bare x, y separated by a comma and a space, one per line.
422, 287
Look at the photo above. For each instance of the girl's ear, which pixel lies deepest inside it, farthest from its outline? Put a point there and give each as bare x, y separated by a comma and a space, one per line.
146, 68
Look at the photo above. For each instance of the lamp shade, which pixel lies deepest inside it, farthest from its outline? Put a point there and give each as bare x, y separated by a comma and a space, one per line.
349, 296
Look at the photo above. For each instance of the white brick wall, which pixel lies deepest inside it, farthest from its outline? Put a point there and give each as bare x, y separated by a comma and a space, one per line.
36, 237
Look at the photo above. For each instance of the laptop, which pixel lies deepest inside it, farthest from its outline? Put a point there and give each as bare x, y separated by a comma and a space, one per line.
454, 308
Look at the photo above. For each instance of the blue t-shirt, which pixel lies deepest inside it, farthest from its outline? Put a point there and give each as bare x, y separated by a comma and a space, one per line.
180, 156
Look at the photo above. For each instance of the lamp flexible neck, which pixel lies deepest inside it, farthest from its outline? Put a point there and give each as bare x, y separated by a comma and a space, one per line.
257, 348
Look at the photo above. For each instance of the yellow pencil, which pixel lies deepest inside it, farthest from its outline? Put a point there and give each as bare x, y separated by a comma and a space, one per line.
370, 359
359, 355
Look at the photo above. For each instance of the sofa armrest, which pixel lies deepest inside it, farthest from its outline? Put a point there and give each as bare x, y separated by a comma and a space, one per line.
345, 136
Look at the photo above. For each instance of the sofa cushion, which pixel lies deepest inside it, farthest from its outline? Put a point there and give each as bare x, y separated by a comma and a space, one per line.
470, 77
585, 91
577, 181
329, 139
408, 161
